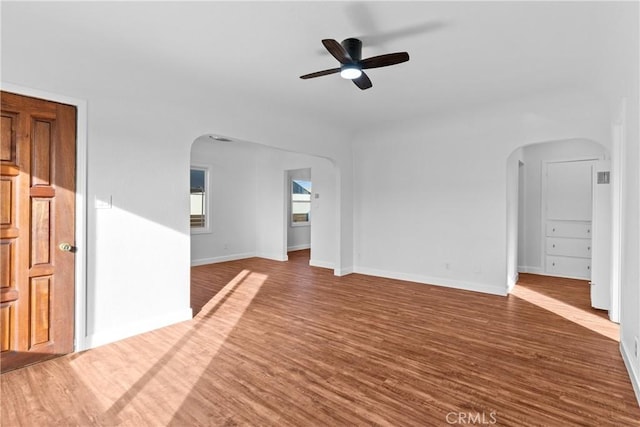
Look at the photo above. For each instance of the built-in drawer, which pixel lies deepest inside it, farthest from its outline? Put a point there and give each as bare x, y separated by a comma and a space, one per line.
569, 247
569, 267
577, 229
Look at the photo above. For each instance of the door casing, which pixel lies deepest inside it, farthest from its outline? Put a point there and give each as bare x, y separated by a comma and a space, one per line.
81, 283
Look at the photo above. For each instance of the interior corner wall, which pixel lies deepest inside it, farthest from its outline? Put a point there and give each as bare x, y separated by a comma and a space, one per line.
630, 245
620, 80
231, 202
431, 201
534, 156
514, 213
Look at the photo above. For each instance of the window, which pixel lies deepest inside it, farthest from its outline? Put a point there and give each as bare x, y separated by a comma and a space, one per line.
300, 202
199, 199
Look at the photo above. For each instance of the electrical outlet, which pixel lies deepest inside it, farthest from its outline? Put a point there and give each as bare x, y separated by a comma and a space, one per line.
103, 202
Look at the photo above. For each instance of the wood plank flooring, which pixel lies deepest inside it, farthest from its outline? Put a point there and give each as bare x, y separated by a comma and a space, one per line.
285, 344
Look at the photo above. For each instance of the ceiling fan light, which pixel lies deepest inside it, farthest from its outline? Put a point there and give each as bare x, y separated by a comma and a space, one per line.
350, 73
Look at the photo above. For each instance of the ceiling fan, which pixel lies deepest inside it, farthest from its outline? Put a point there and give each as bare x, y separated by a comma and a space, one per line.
349, 54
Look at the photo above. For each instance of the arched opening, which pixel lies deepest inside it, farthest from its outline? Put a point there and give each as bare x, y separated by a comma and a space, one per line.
241, 203
559, 211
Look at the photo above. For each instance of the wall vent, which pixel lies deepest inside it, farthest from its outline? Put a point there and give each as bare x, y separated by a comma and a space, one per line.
603, 177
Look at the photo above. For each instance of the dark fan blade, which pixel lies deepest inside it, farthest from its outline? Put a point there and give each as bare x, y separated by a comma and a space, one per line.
320, 73
384, 60
337, 51
363, 81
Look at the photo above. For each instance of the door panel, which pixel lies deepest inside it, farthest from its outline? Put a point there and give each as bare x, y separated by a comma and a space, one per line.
567, 196
37, 213
569, 191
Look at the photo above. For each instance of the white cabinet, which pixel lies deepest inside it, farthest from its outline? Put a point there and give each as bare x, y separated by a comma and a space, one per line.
568, 249
564, 266
567, 198
579, 229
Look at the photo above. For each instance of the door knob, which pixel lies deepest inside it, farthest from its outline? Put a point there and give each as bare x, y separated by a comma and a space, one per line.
65, 247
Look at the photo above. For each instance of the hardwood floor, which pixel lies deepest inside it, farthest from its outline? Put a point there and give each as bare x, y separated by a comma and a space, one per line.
287, 344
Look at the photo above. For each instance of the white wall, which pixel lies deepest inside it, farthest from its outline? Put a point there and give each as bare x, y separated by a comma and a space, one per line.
522, 214
618, 79
249, 203
273, 201
298, 237
231, 201
515, 211
530, 243
448, 174
447, 171
139, 146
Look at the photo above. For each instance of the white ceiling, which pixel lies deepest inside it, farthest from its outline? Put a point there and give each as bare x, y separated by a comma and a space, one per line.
462, 53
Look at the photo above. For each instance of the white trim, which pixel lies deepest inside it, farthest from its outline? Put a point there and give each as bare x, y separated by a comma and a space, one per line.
617, 206
273, 256
321, 264
530, 270
81, 283
224, 258
300, 224
511, 282
633, 374
564, 276
131, 329
435, 281
235, 257
299, 247
344, 271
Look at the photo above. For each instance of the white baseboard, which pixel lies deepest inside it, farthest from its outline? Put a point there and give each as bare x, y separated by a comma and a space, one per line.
298, 247
234, 257
564, 276
343, 271
511, 282
273, 256
223, 258
631, 369
529, 269
322, 264
436, 281
136, 328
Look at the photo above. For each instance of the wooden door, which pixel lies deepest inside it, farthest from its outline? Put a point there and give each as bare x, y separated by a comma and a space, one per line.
37, 212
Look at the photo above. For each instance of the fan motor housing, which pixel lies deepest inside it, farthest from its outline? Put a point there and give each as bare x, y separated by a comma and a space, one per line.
353, 48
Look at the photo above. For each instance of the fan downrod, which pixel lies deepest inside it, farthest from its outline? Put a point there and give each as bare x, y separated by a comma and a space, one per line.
353, 48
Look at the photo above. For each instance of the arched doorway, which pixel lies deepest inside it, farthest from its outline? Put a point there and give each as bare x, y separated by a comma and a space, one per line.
242, 202
545, 234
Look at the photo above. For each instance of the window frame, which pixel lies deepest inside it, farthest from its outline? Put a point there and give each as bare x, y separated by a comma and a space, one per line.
207, 200
291, 221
